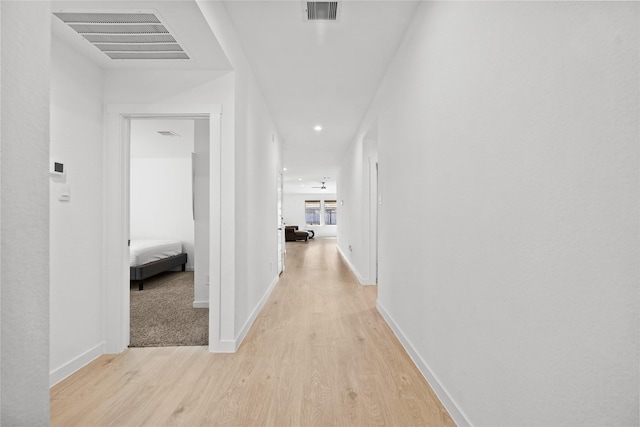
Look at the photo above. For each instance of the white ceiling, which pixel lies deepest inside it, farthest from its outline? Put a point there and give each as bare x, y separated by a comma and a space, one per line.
310, 73
318, 73
147, 143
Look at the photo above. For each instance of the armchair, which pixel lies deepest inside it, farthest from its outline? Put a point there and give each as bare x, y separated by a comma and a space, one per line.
291, 234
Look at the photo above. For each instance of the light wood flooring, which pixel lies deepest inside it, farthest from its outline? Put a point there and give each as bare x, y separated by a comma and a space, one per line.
319, 354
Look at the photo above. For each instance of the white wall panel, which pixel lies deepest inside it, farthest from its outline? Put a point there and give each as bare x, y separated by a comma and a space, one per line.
508, 152
76, 224
250, 212
26, 63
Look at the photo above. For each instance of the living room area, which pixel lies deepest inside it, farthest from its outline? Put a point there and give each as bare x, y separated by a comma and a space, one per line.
309, 216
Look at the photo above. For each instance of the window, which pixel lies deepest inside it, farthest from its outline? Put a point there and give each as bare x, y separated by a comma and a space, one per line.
312, 212
330, 212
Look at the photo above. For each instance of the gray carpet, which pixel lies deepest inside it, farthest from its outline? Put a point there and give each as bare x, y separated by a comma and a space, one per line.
162, 314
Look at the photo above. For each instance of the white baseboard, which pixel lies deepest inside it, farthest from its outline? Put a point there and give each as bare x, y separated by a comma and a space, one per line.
75, 364
454, 410
363, 281
201, 304
254, 314
223, 346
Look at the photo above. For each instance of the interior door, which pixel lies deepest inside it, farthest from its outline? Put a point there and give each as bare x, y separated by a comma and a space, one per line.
281, 245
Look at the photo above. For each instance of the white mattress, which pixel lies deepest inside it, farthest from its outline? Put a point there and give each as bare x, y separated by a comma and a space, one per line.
142, 252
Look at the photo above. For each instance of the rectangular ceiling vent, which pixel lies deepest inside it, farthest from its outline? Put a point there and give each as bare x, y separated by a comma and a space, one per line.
125, 35
168, 133
322, 10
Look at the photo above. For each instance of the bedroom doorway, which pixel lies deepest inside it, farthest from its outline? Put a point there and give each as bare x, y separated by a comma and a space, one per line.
168, 187
116, 223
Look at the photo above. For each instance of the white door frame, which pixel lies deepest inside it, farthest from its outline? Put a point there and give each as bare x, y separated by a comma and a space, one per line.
116, 220
370, 179
281, 239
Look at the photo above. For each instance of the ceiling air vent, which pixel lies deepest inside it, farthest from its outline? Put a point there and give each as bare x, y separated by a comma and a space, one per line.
168, 133
322, 10
125, 35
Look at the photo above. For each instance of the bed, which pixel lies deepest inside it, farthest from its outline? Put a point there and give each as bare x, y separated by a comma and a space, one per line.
150, 257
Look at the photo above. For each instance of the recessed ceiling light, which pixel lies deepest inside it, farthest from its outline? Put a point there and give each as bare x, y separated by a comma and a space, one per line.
299, 179
284, 169
318, 128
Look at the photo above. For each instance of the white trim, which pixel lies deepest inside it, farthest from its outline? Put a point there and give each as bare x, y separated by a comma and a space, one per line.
450, 405
115, 217
75, 364
223, 346
220, 262
363, 281
254, 314
174, 110
201, 304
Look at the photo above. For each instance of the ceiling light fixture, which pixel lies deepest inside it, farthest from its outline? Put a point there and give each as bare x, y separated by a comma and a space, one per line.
284, 169
322, 187
318, 128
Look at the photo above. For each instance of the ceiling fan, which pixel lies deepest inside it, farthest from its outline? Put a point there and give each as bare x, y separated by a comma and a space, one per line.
322, 187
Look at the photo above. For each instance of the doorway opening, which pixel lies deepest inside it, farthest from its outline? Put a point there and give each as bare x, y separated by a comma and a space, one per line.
281, 242
117, 227
165, 209
370, 153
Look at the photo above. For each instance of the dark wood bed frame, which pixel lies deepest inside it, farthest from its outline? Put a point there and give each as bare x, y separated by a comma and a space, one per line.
151, 269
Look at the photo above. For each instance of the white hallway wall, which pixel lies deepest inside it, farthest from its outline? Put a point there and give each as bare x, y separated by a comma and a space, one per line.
197, 87
159, 87
76, 335
252, 214
25, 356
294, 212
77, 131
24, 273
256, 206
356, 199
508, 145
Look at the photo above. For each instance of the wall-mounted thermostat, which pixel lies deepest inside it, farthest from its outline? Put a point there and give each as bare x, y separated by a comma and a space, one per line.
56, 168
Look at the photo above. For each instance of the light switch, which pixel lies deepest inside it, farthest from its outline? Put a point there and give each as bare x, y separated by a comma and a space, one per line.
64, 194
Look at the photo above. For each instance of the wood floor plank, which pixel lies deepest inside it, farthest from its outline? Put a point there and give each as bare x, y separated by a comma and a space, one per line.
319, 354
